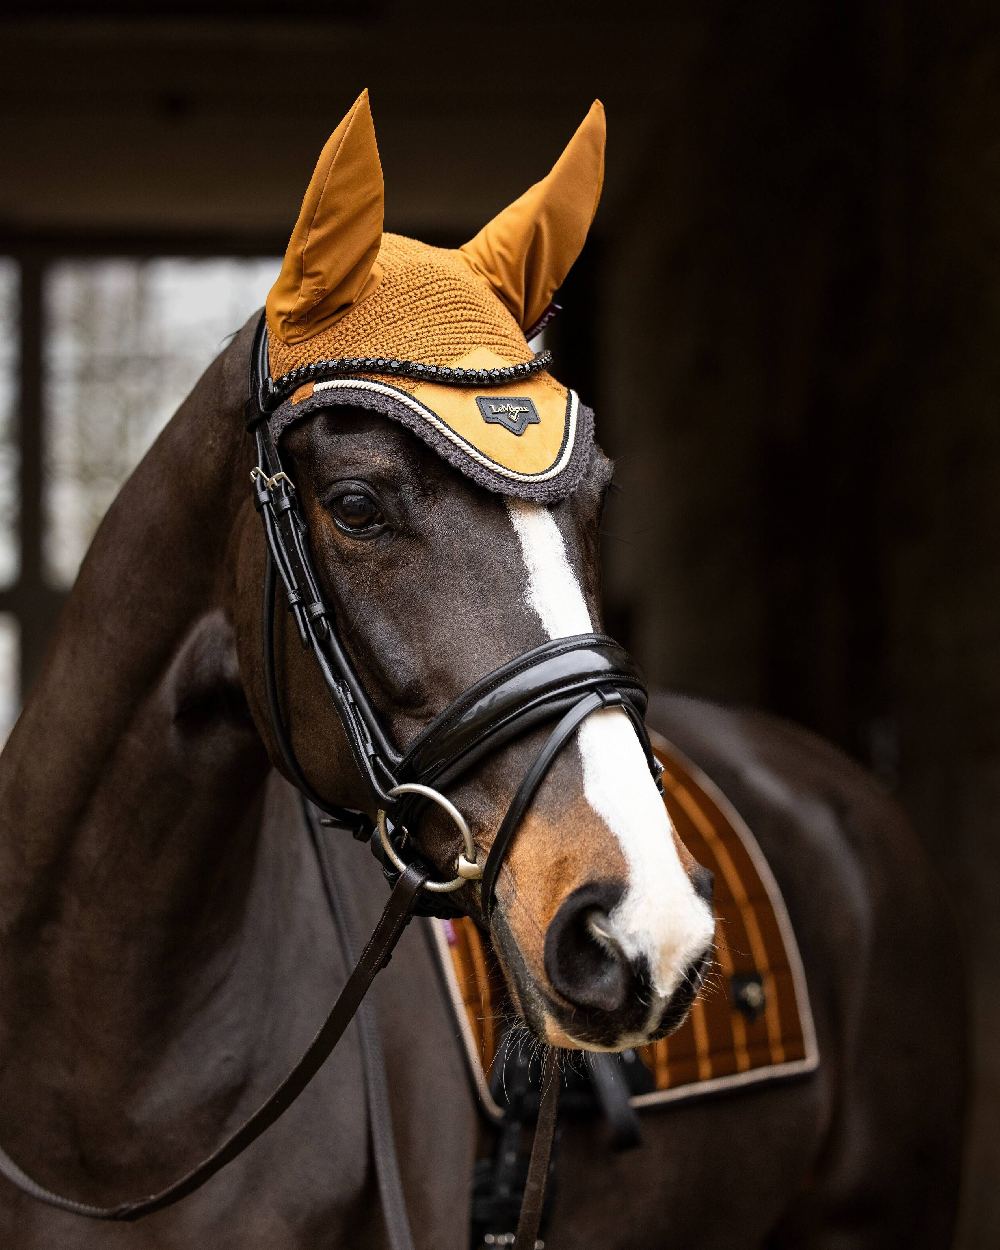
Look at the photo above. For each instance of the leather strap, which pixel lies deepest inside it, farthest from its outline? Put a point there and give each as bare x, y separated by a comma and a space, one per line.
533, 1203
374, 957
531, 689
285, 532
375, 1076
526, 792
357, 822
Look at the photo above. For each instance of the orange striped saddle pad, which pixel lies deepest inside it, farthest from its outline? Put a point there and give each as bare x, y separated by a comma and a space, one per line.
752, 1024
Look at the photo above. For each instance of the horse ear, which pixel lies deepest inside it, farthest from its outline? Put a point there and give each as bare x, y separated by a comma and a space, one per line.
526, 251
330, 262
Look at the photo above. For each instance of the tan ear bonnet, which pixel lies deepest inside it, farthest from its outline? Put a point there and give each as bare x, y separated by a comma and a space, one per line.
352, 301
526, 435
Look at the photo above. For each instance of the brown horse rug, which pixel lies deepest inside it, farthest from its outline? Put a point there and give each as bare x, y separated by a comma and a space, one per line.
751, 1024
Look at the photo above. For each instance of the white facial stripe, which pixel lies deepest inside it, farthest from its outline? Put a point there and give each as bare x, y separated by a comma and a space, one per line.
660, 916
553, 590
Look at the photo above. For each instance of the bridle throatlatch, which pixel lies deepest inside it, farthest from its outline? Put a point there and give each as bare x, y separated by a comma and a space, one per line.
559, 683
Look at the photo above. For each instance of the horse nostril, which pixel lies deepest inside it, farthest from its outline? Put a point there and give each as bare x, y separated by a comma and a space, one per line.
583, 958
704, 883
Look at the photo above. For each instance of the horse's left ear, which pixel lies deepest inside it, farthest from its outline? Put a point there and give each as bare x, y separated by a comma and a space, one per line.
526, 251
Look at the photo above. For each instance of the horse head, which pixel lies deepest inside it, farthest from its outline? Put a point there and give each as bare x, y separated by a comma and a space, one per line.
452, 493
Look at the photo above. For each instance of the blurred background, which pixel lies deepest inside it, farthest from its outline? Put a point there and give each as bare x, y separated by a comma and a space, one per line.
788, 319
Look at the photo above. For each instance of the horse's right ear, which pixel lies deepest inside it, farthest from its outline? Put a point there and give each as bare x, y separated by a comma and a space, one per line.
330, 262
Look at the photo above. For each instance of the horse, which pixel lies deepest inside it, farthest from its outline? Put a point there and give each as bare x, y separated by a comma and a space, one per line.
168, 937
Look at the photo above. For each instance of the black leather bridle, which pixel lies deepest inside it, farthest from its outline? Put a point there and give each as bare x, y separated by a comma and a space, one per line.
560, 683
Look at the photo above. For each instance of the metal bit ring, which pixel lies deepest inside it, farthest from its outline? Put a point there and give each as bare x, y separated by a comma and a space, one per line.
466, 866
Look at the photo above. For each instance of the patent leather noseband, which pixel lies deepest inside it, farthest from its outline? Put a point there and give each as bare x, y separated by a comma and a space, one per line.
559, 683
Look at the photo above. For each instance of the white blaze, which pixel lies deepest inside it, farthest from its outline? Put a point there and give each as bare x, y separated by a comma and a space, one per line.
660, 915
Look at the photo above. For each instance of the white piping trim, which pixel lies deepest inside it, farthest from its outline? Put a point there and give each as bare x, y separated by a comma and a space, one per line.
380, 388
439, 931
775, 897
719, 1084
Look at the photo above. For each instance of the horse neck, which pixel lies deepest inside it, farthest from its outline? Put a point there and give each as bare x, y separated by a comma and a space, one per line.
131, 790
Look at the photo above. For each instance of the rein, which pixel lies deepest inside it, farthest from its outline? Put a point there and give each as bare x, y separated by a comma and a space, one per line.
561, 682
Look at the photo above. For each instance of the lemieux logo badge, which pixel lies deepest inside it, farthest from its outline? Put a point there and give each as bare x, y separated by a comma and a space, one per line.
512, 413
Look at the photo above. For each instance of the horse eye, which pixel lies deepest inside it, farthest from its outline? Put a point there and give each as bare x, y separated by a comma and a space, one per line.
356, 512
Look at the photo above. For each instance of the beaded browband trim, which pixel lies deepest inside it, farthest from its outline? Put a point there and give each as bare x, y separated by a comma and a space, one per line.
350, 366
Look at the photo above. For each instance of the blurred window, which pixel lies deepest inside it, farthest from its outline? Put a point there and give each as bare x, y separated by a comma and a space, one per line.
97, 354
9, 666
125, 340
9, 338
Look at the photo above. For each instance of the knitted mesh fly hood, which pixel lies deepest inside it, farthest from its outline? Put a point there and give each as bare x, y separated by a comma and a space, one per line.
349, 293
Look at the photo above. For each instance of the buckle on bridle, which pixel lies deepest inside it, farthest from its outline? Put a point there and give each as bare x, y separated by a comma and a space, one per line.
465, 866
257, 474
